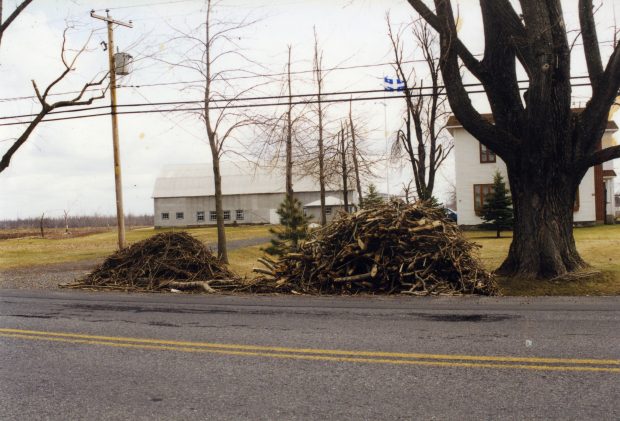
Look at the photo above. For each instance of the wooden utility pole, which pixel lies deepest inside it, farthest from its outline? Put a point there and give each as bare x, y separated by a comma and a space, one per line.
120, 216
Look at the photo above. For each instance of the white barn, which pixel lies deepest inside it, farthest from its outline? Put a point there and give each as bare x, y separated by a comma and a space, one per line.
184, 196
476, 165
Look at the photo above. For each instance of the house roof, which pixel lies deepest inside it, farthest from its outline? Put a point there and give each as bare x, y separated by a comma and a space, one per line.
329, 201
191, 180
454, 123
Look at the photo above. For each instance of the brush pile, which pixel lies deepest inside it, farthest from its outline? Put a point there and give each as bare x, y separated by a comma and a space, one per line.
168, 260
392, 248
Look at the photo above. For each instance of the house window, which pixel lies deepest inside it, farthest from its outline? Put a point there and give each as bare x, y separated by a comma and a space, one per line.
305, 211
180, 215
481, 192
165, 215
226, 215
328, 210
200, 216
239, 215
486, 154
212, 216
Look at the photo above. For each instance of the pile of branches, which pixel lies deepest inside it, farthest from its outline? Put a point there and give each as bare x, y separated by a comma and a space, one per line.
173, 260
392, 248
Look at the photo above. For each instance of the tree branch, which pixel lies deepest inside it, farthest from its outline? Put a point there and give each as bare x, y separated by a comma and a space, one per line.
601, 156
590, 41
472, 64
4, 25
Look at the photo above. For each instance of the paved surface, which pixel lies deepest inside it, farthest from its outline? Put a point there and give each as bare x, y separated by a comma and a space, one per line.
76, 355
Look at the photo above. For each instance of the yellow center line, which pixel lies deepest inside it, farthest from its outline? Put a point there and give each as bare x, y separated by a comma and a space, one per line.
331, 352
315, 357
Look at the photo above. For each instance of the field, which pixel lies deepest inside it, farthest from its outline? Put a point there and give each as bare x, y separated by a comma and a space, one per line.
599, 246
32, 250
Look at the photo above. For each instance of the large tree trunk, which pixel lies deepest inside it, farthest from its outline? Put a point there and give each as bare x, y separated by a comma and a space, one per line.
222, 252
543, 245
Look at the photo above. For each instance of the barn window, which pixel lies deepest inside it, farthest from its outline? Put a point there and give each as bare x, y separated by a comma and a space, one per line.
239, 215
481, 192
328, 210
180, 215
165, 215
226, 215
486, 154
212, 216
200, 216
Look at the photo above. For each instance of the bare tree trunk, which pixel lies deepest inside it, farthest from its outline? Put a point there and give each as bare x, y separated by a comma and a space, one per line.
543, 240
356, 168
289, 135
41, 225
222, 249
343, 159
66, 215
319, 80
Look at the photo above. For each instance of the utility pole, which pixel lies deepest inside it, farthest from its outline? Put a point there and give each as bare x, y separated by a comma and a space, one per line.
120, 216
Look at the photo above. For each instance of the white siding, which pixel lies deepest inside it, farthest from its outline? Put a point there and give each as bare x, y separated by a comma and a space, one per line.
470, 171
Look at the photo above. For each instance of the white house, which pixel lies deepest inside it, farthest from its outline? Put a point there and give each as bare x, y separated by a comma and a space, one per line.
184, 195
476, 165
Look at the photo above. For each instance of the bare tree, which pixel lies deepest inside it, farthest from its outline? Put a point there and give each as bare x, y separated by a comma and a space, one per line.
355, 156
69, 63
344, 155
407, 191
319, 79
204, 50
424, 144
546, 145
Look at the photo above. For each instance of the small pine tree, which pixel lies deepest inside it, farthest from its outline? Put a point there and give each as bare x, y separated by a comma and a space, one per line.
497, 208
294, 228
372, 197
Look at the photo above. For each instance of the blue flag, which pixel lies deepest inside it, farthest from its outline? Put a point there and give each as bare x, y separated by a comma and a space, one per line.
391, 84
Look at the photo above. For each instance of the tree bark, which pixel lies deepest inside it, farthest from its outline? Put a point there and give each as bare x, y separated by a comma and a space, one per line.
222, 250
543, 245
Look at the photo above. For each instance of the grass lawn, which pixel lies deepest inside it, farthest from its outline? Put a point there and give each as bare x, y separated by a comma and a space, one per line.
32, 251
599, 246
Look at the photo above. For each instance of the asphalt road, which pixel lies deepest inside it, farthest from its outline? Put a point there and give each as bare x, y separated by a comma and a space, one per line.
76, 355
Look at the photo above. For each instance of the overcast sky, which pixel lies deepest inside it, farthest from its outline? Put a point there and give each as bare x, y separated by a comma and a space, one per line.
67, 165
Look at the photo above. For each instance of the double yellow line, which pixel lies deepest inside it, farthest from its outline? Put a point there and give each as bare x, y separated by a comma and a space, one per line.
335, 355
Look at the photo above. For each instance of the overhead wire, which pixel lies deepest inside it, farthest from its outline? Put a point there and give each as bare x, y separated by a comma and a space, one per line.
228, 106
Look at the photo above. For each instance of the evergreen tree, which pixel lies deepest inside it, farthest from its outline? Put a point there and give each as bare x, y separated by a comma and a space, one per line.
497, 209
294, 228
372, 197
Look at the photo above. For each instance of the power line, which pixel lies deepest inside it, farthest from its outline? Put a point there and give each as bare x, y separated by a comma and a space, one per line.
273, 104
259, 98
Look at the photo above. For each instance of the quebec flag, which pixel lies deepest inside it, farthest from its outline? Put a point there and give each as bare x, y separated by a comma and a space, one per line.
390, 84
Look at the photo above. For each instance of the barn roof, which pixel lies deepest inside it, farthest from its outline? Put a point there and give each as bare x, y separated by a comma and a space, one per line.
329, 201
190, 180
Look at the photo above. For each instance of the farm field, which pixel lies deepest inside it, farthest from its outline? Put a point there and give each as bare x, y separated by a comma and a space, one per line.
599, 246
